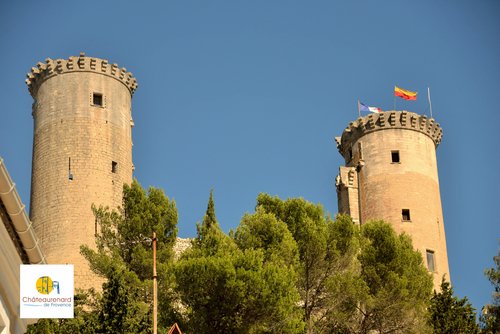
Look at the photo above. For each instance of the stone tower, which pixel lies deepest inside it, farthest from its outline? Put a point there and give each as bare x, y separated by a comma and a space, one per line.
82, 152
390, 173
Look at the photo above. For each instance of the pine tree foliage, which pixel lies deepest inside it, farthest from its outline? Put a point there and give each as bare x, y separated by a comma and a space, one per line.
265, 232
326, 256
232, 289
449, 315
490, 318
124, 245
119, 312
398, 286
353, 280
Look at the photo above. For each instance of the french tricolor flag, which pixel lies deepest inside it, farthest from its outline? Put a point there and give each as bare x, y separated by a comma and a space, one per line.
364, 107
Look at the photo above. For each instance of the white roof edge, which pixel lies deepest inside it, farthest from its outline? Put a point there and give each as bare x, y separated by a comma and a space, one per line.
17, 213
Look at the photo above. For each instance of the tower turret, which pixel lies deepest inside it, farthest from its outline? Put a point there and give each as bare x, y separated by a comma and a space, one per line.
390, 173
82, 151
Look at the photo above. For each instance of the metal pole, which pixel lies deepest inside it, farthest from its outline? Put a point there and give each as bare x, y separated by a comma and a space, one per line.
429, 96
394, 98
155, 292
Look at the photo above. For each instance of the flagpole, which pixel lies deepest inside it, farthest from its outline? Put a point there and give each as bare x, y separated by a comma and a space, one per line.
155, 288
429, 96
394, 98
359, 112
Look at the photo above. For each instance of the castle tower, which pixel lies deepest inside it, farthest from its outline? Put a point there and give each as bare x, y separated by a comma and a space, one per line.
390, 173
82, 152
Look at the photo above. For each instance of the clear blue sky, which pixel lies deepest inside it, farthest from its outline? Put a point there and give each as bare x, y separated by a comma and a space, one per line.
247, 96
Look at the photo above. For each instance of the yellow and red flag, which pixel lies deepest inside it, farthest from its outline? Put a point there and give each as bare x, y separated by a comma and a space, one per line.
405, 94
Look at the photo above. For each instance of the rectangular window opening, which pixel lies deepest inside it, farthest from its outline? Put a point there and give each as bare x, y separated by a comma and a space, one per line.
430, 260
406, 214
395, 156
360, 152
114, 166
97, 99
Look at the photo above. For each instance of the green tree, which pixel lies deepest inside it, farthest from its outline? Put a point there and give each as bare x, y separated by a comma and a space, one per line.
490, 318
397, 285
119, 312
450, 315
124, 247
210, 238
354, 280
210, 219
263, 231
227, 289
327, 251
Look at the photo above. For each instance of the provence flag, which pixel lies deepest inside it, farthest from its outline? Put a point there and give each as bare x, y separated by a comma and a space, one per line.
405, 94
364, 107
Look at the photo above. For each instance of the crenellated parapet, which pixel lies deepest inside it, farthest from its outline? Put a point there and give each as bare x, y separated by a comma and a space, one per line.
81, 63
389, 120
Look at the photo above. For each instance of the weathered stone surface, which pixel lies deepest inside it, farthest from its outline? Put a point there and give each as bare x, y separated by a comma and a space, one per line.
180, 246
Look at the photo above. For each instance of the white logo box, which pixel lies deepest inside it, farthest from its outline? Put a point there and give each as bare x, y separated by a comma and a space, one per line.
47, 291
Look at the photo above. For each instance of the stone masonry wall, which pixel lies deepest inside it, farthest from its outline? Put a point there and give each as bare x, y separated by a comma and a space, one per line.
387, 187
74, 136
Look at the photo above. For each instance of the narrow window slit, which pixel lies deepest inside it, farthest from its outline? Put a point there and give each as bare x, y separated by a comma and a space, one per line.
430, 260
70, 175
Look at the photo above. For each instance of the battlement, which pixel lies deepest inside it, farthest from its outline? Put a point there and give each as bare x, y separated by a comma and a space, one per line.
389, 120
81, 63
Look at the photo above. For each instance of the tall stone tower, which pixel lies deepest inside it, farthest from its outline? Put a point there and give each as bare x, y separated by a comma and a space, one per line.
390, 173
82, 152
